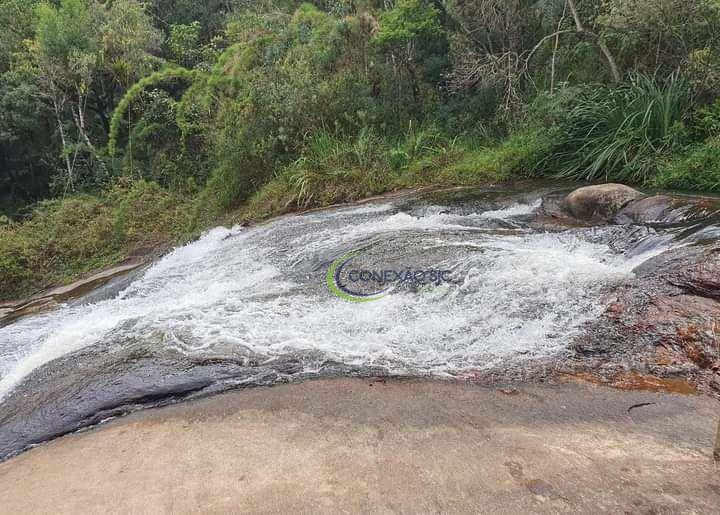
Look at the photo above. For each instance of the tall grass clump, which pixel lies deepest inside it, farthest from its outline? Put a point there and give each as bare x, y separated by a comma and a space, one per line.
416, 143
333, 167
619, 133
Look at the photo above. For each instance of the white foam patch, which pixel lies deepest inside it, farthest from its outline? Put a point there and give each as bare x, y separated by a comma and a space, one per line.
513, 211
517, 297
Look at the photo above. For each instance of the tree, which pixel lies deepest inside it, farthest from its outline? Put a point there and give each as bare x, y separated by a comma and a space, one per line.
88, 54
660, 33
24, 162
211, 14
27, 152
184, 43
128, 42
67, 54
413, 37
17, 21
581, 30
665, 35
492, 39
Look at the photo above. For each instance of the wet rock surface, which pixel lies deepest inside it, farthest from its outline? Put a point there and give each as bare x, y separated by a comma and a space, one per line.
651, 209
666, 322
701, 276
90, 387
664, 210
659, 330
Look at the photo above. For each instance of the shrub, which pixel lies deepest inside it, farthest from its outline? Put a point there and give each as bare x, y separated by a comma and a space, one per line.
68, 237
706, 121
620, 133
697, 169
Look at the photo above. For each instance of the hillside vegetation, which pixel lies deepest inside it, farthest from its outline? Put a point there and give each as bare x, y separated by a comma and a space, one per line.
128, 125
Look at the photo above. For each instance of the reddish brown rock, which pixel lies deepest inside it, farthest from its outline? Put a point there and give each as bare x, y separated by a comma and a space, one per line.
688, 322
665, 323
703, 277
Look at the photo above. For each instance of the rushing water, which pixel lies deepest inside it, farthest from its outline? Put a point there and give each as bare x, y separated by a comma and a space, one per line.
252, 297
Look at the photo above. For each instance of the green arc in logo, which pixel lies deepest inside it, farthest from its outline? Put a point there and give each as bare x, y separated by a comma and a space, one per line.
333, 281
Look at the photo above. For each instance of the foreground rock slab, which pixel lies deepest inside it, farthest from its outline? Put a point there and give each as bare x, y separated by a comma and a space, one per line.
353, 445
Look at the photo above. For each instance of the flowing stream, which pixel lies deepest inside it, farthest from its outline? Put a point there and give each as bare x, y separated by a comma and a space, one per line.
252, 306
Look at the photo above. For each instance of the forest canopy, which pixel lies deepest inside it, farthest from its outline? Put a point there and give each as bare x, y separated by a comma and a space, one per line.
110, 109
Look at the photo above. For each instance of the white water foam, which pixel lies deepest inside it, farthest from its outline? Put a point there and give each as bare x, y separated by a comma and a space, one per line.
517, 297
514, 210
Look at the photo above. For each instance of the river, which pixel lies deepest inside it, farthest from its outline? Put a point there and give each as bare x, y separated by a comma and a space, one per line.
252, 305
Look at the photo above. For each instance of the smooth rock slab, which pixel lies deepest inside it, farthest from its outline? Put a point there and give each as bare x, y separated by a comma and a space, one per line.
354, 446
659, 208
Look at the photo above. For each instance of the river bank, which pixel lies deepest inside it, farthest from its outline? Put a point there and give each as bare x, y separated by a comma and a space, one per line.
367, 445
95, 278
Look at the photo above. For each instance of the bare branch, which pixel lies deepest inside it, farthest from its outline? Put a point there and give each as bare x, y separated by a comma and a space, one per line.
598, 40
555, 48
544, 39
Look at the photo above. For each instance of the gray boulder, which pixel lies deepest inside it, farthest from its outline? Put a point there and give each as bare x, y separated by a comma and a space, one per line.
602, 202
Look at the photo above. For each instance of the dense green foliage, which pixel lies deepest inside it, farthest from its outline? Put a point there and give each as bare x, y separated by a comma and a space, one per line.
126, 123
620, 132
83, 232
696, 169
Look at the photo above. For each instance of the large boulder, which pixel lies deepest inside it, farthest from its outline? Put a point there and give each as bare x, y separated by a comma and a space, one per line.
602, 202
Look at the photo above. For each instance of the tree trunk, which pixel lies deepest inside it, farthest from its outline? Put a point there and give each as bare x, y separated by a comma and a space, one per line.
80, 123
555, 49
69, 166
617, 77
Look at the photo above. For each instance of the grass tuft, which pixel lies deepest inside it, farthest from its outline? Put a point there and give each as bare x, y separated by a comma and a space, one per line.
620, 133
